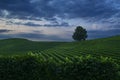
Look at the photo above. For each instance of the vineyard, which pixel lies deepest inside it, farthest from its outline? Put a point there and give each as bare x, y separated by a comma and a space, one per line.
32, 67
108, 47
87, 60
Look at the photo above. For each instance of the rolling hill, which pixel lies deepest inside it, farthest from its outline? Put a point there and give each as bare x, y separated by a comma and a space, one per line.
108, 47
47, 59
18, 46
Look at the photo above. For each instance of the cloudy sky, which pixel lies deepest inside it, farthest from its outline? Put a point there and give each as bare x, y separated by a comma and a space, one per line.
55, 20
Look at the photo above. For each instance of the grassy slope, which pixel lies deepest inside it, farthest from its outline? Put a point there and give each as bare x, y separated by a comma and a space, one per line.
106, 47
22, 46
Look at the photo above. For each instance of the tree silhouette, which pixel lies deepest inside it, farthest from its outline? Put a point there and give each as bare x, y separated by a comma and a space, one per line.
80, 34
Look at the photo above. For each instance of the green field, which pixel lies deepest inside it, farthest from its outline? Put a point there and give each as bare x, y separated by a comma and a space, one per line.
18, 46
108, 47
66, 60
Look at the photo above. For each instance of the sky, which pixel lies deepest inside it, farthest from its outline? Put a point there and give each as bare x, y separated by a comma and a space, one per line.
56, 20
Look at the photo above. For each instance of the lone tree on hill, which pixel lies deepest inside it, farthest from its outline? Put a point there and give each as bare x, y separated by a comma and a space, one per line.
80, 34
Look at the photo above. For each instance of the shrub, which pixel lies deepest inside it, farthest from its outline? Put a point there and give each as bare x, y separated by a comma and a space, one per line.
31, 67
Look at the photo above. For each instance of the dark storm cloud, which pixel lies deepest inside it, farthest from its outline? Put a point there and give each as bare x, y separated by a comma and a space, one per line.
53, 24
86, 8
62, 8
93, 11
31, 24
63, 24
21, 8
24, 8
4, 30
99, 34
90, 10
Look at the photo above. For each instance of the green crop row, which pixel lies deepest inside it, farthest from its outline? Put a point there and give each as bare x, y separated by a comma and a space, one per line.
37, 67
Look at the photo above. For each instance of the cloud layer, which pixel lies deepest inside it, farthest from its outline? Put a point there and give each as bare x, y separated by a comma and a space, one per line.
62, 8
94, 15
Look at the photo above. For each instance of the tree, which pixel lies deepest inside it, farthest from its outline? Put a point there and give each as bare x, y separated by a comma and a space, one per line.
80, 34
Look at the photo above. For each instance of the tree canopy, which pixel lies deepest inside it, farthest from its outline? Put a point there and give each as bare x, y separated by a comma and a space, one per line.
80, 33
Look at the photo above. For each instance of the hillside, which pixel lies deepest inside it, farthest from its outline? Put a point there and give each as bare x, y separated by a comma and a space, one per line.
60, 60
18, 46
109, 47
